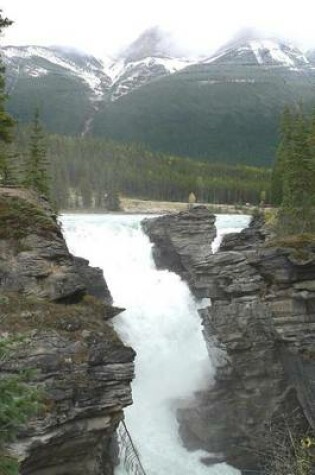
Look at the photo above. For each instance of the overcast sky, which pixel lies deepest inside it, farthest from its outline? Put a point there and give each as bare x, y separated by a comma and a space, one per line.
103, 27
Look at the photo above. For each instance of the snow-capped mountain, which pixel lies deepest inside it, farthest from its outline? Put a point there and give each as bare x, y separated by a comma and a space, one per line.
149, 57
107, 78
259, 51
225, 107
182, 106
128, 76
39, 61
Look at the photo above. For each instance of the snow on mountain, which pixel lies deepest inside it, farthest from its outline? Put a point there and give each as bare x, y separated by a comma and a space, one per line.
106, 78
150, 57
86, 67
118, 68
127, 76
260, 51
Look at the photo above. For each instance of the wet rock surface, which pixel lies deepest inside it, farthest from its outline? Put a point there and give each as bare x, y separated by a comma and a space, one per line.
262, 324
61, 306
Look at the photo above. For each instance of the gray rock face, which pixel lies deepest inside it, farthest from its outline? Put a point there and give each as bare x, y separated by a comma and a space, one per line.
262, 321
86, 385
93, 280
34, 258
182, 242
61, 306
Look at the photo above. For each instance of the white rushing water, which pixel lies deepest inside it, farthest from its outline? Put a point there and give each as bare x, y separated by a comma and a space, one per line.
162, 324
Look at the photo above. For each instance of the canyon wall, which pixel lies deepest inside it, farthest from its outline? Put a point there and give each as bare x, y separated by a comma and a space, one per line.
261, 322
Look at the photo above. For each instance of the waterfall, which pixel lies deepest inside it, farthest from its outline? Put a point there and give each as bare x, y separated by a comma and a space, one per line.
162, 324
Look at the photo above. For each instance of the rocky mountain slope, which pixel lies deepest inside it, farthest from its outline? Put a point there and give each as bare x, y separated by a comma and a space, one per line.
262, 323
148, 58
150, 94
226, 108
62, 308
37, 72
254, 50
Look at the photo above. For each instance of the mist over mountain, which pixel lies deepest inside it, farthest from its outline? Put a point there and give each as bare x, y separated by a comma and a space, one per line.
153, 42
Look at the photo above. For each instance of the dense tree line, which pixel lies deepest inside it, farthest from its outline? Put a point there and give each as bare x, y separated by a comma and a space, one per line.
85, 170
92, 172
293, 176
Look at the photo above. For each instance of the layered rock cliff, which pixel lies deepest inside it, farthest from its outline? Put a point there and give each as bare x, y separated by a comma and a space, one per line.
61, 307
182, 243
262, 321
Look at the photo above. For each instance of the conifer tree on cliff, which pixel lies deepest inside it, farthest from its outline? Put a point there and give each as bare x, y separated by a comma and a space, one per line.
6, 122
36, 174
298, 177
278, 171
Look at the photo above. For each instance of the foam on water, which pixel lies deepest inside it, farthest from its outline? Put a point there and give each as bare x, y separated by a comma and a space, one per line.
162, 324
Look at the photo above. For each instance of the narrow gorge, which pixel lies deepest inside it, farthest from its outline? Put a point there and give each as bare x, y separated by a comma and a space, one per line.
201, 402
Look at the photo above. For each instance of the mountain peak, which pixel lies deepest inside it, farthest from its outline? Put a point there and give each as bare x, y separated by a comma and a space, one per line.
153, 42
251, 47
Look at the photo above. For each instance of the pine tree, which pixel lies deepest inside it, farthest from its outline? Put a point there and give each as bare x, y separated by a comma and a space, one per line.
6, 122
297, 208
278, 170
36, 166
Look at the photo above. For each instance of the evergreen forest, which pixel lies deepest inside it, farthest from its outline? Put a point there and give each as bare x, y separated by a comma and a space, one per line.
293, 176
84, 170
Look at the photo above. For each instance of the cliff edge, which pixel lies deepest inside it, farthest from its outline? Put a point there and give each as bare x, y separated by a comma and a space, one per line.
60, 308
